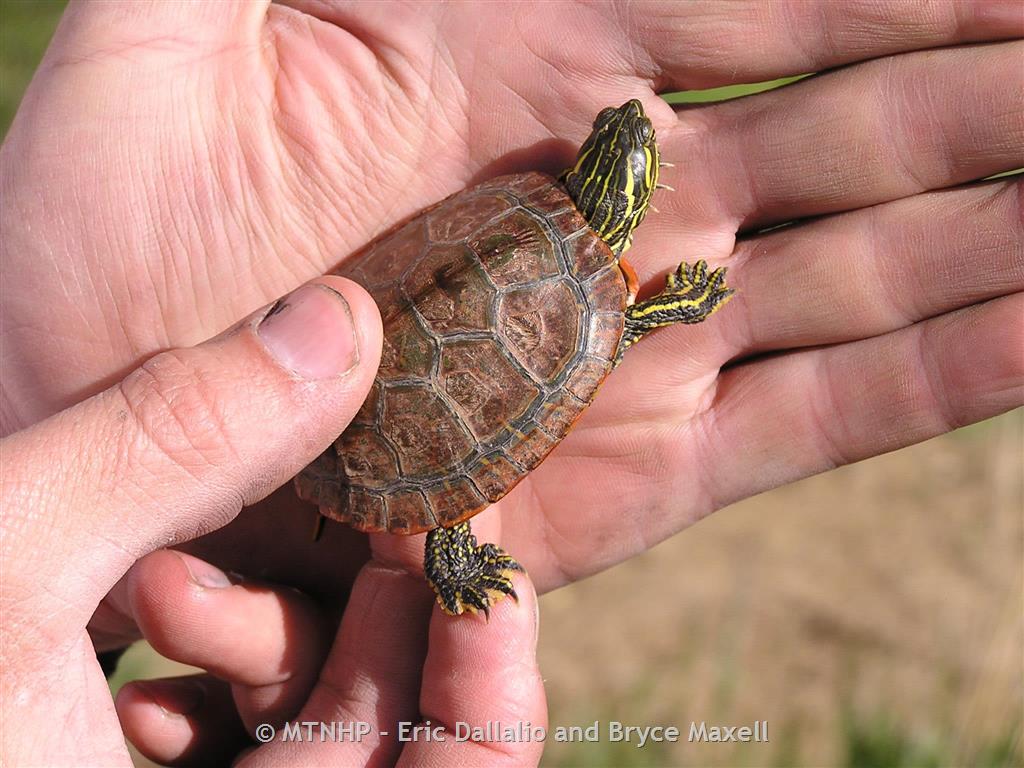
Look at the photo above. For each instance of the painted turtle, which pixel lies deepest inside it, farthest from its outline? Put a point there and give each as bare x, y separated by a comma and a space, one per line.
504, 307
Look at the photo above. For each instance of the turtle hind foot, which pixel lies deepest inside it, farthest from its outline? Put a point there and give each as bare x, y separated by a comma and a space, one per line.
467, 576
691, 295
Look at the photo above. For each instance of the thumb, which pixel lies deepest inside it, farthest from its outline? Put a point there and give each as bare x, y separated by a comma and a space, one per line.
180, 445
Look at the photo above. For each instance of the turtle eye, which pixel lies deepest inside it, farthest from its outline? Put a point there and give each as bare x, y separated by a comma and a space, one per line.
604, 116
645, 130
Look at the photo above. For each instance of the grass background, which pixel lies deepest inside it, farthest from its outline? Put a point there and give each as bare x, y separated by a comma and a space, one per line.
872, 615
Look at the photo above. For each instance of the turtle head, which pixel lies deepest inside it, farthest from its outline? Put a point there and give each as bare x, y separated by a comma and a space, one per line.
615, 173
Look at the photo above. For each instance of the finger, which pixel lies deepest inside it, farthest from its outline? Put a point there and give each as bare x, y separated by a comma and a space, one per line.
372, 674
767, 422
269, 642
182, 720
847, 277
478, 673
179, 446
841, 404
691, 45
864, 135
702, 45
876, 270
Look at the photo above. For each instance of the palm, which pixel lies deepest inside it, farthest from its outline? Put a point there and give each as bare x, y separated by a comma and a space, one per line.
275, 155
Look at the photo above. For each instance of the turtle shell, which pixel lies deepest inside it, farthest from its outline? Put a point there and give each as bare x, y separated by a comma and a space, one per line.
502, 313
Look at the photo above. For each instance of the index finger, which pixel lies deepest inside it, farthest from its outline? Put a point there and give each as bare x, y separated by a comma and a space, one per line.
703, 45
482, 696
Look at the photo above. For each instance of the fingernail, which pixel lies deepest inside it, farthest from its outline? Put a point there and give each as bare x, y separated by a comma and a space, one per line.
998, 14
204, 574
175, 697
310, 332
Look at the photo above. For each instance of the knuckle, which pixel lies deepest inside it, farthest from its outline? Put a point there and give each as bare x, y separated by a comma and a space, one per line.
177, 412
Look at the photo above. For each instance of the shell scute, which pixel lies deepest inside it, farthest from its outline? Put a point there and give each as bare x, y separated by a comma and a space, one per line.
487, 390
530, 446
449, 290
367, 458
502, 313
515, 250
424, 432
366, 511
494, 474
409, 512
454, 500
584, 381
541, 324
381, 266
463, 215
407, 350
605, 332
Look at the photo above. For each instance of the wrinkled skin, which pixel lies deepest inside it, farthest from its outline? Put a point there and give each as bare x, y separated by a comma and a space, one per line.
265, 144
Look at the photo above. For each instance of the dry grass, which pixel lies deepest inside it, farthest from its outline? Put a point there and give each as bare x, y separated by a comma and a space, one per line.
882, 601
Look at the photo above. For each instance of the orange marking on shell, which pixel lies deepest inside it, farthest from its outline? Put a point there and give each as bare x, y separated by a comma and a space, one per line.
632, 281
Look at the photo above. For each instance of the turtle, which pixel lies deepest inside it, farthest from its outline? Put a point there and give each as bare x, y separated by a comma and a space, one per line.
504, 307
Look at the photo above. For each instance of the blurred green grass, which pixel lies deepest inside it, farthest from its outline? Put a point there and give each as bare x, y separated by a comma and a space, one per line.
26, 27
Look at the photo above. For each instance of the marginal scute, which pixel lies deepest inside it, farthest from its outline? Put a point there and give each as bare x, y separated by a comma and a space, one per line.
562, 409
408, 513
590, 255
606, 291
605, 332
502, 312
569, 225
587, 377
366, 511
487, 390
530, 446
378, 265
549, 199
321, 482
494, 475
463, 215
367, 413
540, 325
454, 501
519, 186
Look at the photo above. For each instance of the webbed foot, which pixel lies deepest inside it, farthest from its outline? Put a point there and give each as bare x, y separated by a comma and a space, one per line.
467, 576
691, 295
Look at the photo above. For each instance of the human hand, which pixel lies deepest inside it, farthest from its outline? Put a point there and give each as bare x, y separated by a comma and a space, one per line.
266, 144
172, 451
266, 649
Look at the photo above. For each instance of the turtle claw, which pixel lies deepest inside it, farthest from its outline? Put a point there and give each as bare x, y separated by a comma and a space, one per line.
467, 576
692, 294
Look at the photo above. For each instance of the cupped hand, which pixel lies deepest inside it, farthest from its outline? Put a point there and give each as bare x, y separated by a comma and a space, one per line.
410, 685
174, 167
172, 451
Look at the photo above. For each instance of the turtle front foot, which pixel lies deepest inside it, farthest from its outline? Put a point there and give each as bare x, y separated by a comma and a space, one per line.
691, 295
467, 576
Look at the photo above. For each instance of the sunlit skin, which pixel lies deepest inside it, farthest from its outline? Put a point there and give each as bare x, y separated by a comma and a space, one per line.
165, 180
